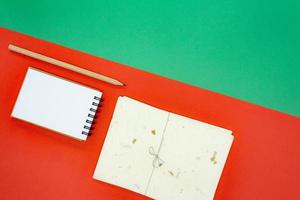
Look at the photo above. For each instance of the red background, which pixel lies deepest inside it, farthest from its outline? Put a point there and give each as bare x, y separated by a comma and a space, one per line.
35, 163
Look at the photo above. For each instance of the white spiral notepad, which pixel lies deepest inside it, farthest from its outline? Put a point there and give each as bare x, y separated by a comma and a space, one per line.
57, 104
162, 155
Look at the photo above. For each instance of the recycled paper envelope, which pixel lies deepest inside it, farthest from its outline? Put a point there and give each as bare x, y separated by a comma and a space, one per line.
162, 155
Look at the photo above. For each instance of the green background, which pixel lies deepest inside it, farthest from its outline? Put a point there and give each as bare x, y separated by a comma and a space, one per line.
246, 49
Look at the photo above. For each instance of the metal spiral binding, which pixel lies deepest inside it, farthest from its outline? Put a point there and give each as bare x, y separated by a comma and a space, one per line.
91, 116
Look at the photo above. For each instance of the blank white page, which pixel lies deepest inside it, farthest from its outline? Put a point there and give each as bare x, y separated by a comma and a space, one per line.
55, 103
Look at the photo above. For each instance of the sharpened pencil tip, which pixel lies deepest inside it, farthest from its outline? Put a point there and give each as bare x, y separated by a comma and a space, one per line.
116, 82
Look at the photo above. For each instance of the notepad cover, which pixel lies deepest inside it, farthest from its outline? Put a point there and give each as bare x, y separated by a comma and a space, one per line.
55, 103
161, 154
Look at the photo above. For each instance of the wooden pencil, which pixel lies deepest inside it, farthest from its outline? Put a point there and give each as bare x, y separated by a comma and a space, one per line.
65, 65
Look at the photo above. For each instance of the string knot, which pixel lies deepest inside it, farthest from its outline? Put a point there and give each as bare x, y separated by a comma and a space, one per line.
157, 161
